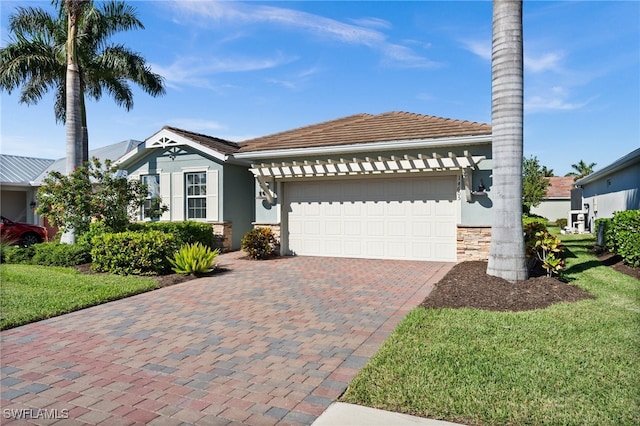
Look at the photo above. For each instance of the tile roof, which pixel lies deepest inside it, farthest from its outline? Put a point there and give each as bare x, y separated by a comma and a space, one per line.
560, 187
367, 128
217, 144
17, 169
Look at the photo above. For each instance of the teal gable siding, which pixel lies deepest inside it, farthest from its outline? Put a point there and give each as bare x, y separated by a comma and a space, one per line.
237, 184
188, 160
478, 211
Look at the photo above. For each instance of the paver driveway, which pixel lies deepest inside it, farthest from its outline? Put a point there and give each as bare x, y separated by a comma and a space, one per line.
272, 342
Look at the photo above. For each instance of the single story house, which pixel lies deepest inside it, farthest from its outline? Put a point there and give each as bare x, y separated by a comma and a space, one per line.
615, 187
17, 192
557, 202
20, 178
197, 177
395, 185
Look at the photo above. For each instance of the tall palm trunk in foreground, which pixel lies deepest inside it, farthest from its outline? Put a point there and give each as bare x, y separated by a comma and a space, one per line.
73, 123
507, 253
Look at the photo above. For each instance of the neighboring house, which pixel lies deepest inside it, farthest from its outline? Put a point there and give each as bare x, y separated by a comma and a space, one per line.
612, 188
389, 186
557, 202
197, 178
17, 192
20, 178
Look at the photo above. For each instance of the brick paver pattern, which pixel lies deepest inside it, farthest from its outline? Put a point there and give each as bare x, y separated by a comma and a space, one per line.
259, 343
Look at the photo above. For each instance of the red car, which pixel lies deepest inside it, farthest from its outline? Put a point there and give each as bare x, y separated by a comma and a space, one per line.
21, 233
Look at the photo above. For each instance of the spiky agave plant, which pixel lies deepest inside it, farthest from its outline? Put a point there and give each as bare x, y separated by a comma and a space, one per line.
194, 259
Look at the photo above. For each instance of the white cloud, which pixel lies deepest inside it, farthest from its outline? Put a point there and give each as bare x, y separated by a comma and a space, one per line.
296, 80
210, 13
481, 48
425, 97
555, 99
547, 62
197, 71
372, 22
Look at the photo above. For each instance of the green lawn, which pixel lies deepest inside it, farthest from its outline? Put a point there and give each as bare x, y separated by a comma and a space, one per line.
569, 364
29, 293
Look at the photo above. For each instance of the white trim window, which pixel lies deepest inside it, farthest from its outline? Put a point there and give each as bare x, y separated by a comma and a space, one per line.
196, 195
153, 199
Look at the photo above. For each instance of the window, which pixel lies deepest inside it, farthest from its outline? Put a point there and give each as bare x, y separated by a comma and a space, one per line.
151, 206
196, 195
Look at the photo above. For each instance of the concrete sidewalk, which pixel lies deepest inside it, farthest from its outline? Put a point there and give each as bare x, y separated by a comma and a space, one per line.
341, 414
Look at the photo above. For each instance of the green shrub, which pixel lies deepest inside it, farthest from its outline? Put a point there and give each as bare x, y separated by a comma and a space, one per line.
186, 232
95, 228
194, 259
527, 219
625, 228
137, 253
549, 250
259, 243
15, 254
562, 222
56, 254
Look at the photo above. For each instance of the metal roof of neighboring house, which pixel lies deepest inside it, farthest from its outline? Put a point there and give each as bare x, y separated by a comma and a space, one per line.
217, 144
110, 152
21, 170
367, 128
621, 163
560, 187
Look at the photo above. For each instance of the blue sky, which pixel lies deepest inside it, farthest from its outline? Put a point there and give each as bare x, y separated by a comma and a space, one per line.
238, 70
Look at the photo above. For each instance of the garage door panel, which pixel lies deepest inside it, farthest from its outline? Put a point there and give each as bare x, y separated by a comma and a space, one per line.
396, 218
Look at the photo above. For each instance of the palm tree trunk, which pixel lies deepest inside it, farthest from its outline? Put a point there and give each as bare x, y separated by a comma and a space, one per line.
507, 253
73, 124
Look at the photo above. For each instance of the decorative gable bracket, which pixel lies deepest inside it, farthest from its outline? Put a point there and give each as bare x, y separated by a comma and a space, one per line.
267, 191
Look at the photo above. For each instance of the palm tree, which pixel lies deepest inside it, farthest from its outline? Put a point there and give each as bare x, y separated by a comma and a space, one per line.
582, 169
37, 55
73, 9
507, 252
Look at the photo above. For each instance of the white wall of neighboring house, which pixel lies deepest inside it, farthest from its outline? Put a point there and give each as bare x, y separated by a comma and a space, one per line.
553, 209
615, 188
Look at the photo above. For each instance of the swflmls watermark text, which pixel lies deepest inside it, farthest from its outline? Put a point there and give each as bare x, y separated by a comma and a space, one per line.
35, 413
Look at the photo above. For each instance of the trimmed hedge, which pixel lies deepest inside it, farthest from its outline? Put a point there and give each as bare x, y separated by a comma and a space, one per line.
15, 254
186, 232
620, 235
56, 254
625, 228
133, 253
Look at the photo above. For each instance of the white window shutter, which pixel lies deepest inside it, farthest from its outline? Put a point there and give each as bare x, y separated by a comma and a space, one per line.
165, 194
212, 196
177, 200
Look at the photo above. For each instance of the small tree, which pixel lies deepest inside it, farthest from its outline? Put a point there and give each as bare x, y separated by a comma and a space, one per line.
534, 183
582, 169
93, 192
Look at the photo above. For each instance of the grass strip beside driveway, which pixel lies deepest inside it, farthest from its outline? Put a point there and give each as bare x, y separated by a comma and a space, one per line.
568, 364
29, 293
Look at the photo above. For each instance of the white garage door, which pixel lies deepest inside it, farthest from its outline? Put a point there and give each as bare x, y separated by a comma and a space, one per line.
397, 218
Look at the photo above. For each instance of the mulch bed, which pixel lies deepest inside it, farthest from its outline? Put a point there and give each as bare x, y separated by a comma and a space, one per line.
467, 285
615, 261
